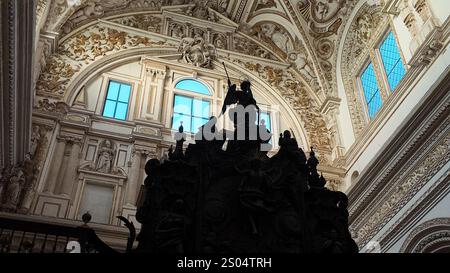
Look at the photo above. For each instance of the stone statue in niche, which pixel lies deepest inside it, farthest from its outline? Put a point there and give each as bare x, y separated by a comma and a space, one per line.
13, 190
321, 9
31, 172
35, 136
198, 33
222, 7
105, 157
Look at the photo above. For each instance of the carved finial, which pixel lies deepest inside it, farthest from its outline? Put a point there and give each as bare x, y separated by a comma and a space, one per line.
86, 218
181, 128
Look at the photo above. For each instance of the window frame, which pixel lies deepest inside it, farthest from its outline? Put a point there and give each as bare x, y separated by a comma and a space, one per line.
191, 116
380, 61
191, 95
361, 92
374, 57
117, 101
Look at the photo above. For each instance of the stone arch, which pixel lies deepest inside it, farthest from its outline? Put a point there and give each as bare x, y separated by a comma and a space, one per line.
353, 52
104, 44
432, 236
129, 55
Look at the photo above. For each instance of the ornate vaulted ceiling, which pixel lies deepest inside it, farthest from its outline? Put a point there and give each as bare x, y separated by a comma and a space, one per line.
301, 33
291, 44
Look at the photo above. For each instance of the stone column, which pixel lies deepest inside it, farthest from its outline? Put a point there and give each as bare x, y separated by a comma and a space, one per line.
17, 21
133, 178
55, 166
70, 175
64, 165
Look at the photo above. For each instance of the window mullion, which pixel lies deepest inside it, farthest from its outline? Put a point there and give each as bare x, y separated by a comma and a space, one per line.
380, 75
192, 114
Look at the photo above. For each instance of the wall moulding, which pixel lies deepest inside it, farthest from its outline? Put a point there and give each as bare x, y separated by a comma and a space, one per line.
414, 214
413, 76
430, 49
378, 195
426, 234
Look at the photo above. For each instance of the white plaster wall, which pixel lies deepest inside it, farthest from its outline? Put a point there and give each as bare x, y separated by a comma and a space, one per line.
400, 114
403, 37
442, 209
92, 92
440, 9
346, 127
132, 69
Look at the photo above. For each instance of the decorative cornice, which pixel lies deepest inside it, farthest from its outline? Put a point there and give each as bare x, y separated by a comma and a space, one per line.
17, 46
424, 204
330, 104
430, 123
391, 7
425, 233
407, 84
431, 47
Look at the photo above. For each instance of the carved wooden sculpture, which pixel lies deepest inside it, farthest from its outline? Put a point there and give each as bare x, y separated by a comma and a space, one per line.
238, 200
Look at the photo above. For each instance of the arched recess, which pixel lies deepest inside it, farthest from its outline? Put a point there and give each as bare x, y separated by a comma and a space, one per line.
272, 96
361, 32
433, 236
104, 44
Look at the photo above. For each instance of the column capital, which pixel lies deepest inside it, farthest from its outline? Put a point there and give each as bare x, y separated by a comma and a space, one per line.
70, 139
331, 104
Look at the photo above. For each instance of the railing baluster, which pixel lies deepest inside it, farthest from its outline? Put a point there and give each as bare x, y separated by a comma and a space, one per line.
21, 242
16, 234
10, 241
1, 243
33, 242
44, 243
67, 242
56, 242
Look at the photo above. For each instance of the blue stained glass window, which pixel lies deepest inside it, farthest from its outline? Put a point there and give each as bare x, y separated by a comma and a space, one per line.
371, 91
193, 86
117, 99
193, 113
264, 119
392, 61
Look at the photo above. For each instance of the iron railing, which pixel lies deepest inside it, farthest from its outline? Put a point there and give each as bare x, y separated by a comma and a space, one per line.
27, 236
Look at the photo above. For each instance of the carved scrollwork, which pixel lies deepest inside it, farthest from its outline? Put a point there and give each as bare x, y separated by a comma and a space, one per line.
197, 52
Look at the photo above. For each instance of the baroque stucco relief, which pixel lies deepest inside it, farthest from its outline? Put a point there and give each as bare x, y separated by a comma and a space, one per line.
83, 49
368, 23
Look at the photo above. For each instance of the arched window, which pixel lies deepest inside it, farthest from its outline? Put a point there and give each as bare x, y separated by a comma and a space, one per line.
385, 58
193, 86
371, 91
191, 111
392, 61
